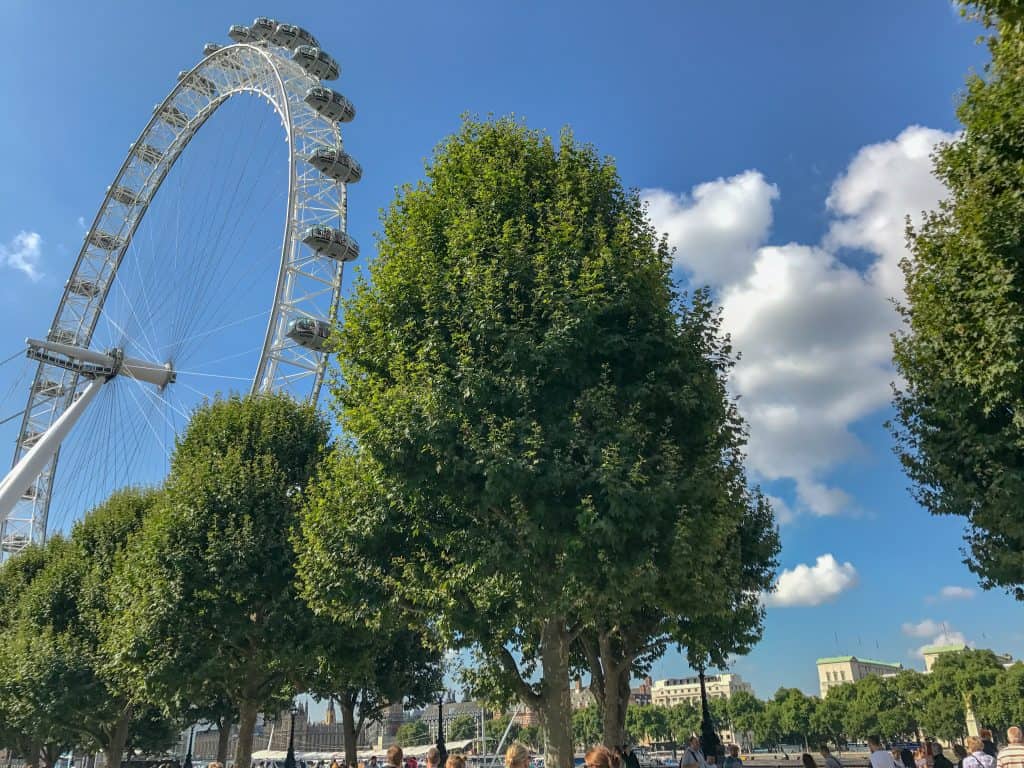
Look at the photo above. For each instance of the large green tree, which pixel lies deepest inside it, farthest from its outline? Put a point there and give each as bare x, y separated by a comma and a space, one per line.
207, 590
541, 419
960, 411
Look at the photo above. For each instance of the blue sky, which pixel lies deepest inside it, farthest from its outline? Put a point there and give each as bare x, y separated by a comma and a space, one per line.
780, 146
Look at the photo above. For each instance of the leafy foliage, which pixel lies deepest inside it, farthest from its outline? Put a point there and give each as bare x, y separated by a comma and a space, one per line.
960, 420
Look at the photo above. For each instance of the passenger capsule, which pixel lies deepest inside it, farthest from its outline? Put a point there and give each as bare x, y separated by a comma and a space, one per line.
240, 33
148, 154
105, 240
174, 117
29, 494
330, 104
262, 28
337, 164
309, 333
210, 48
290, 36
83, 287
316, 62
328, 241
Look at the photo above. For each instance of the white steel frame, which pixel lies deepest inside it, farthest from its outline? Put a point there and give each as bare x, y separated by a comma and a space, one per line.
305, 279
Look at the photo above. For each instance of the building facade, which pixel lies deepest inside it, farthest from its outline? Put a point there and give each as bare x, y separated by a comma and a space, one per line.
677, 690
932, 652
838, 670
450, 711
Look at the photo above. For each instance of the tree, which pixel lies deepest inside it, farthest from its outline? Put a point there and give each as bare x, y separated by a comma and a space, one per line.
220, 543
744, 709
831, 717
796, 713
646, 723
972, 677
586, 727
960, 413
462, 727
1007, 702
412, 734
682, 722
529, 399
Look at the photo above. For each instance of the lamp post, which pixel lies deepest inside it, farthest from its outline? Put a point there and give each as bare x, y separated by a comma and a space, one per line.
441, 748
188, 755
289, 760
709, 742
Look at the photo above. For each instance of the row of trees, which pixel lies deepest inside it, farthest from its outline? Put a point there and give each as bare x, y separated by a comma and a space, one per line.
904, 706
169, 606
539, 462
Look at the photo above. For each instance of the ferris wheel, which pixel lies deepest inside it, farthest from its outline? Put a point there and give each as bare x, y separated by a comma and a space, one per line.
182, 257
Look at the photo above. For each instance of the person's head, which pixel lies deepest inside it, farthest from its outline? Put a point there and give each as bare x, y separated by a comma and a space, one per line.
808, 761
395, 756
1015, 736
985, 734
373, 760
959, 751
455, 761
874, 743
936, 749
601, 757
694, 742
517, 756
907, 758
433, 757
734, 750
974, 744
710, 760
215, 764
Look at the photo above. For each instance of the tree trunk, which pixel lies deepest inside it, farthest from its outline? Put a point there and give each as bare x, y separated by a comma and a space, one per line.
247, 711
348, 729
223, 738
555, 711
113, 750
616, 673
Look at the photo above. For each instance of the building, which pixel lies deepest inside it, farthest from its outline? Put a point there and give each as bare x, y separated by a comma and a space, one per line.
641, 695
932, 652
582, 697
450, 711
837, 670
676, 690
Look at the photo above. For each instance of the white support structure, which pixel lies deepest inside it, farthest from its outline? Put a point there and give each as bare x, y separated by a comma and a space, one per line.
20, 478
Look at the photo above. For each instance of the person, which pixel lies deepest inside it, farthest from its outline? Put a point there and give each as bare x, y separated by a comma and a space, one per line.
808, 760
394, 756
978, 757
906, 757
987, 745
961, 753
433, 758
939, 760
693, 756
923, 755
880, 758
455, 761
373, 762
732, 759
1012, 755
629, 758
601, 757
517, 756
334, 763
831, 761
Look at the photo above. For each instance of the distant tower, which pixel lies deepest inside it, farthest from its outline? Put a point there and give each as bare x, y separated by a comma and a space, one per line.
329, 717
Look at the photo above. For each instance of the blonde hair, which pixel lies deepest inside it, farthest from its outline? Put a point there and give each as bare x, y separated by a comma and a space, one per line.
974, 744
516, 756
455, 761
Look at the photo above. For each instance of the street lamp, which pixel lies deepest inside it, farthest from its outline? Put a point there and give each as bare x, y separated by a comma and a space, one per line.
188, 755
709, 742
289, 760
441, 748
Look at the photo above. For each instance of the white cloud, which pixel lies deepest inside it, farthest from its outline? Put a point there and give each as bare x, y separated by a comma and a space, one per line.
718, 226
81, 222
813, 332
23, 253
813, 584
923, 628
956, 593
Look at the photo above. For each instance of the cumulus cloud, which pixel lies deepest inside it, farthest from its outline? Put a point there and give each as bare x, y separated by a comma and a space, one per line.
813, 332
23, 253
815, 584
956, 593
923, 628
718, 226
938, 632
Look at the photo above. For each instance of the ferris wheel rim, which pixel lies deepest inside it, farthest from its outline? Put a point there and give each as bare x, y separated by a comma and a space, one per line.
282, 73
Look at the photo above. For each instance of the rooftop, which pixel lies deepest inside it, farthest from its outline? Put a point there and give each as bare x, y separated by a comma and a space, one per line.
930, 649
838, 659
